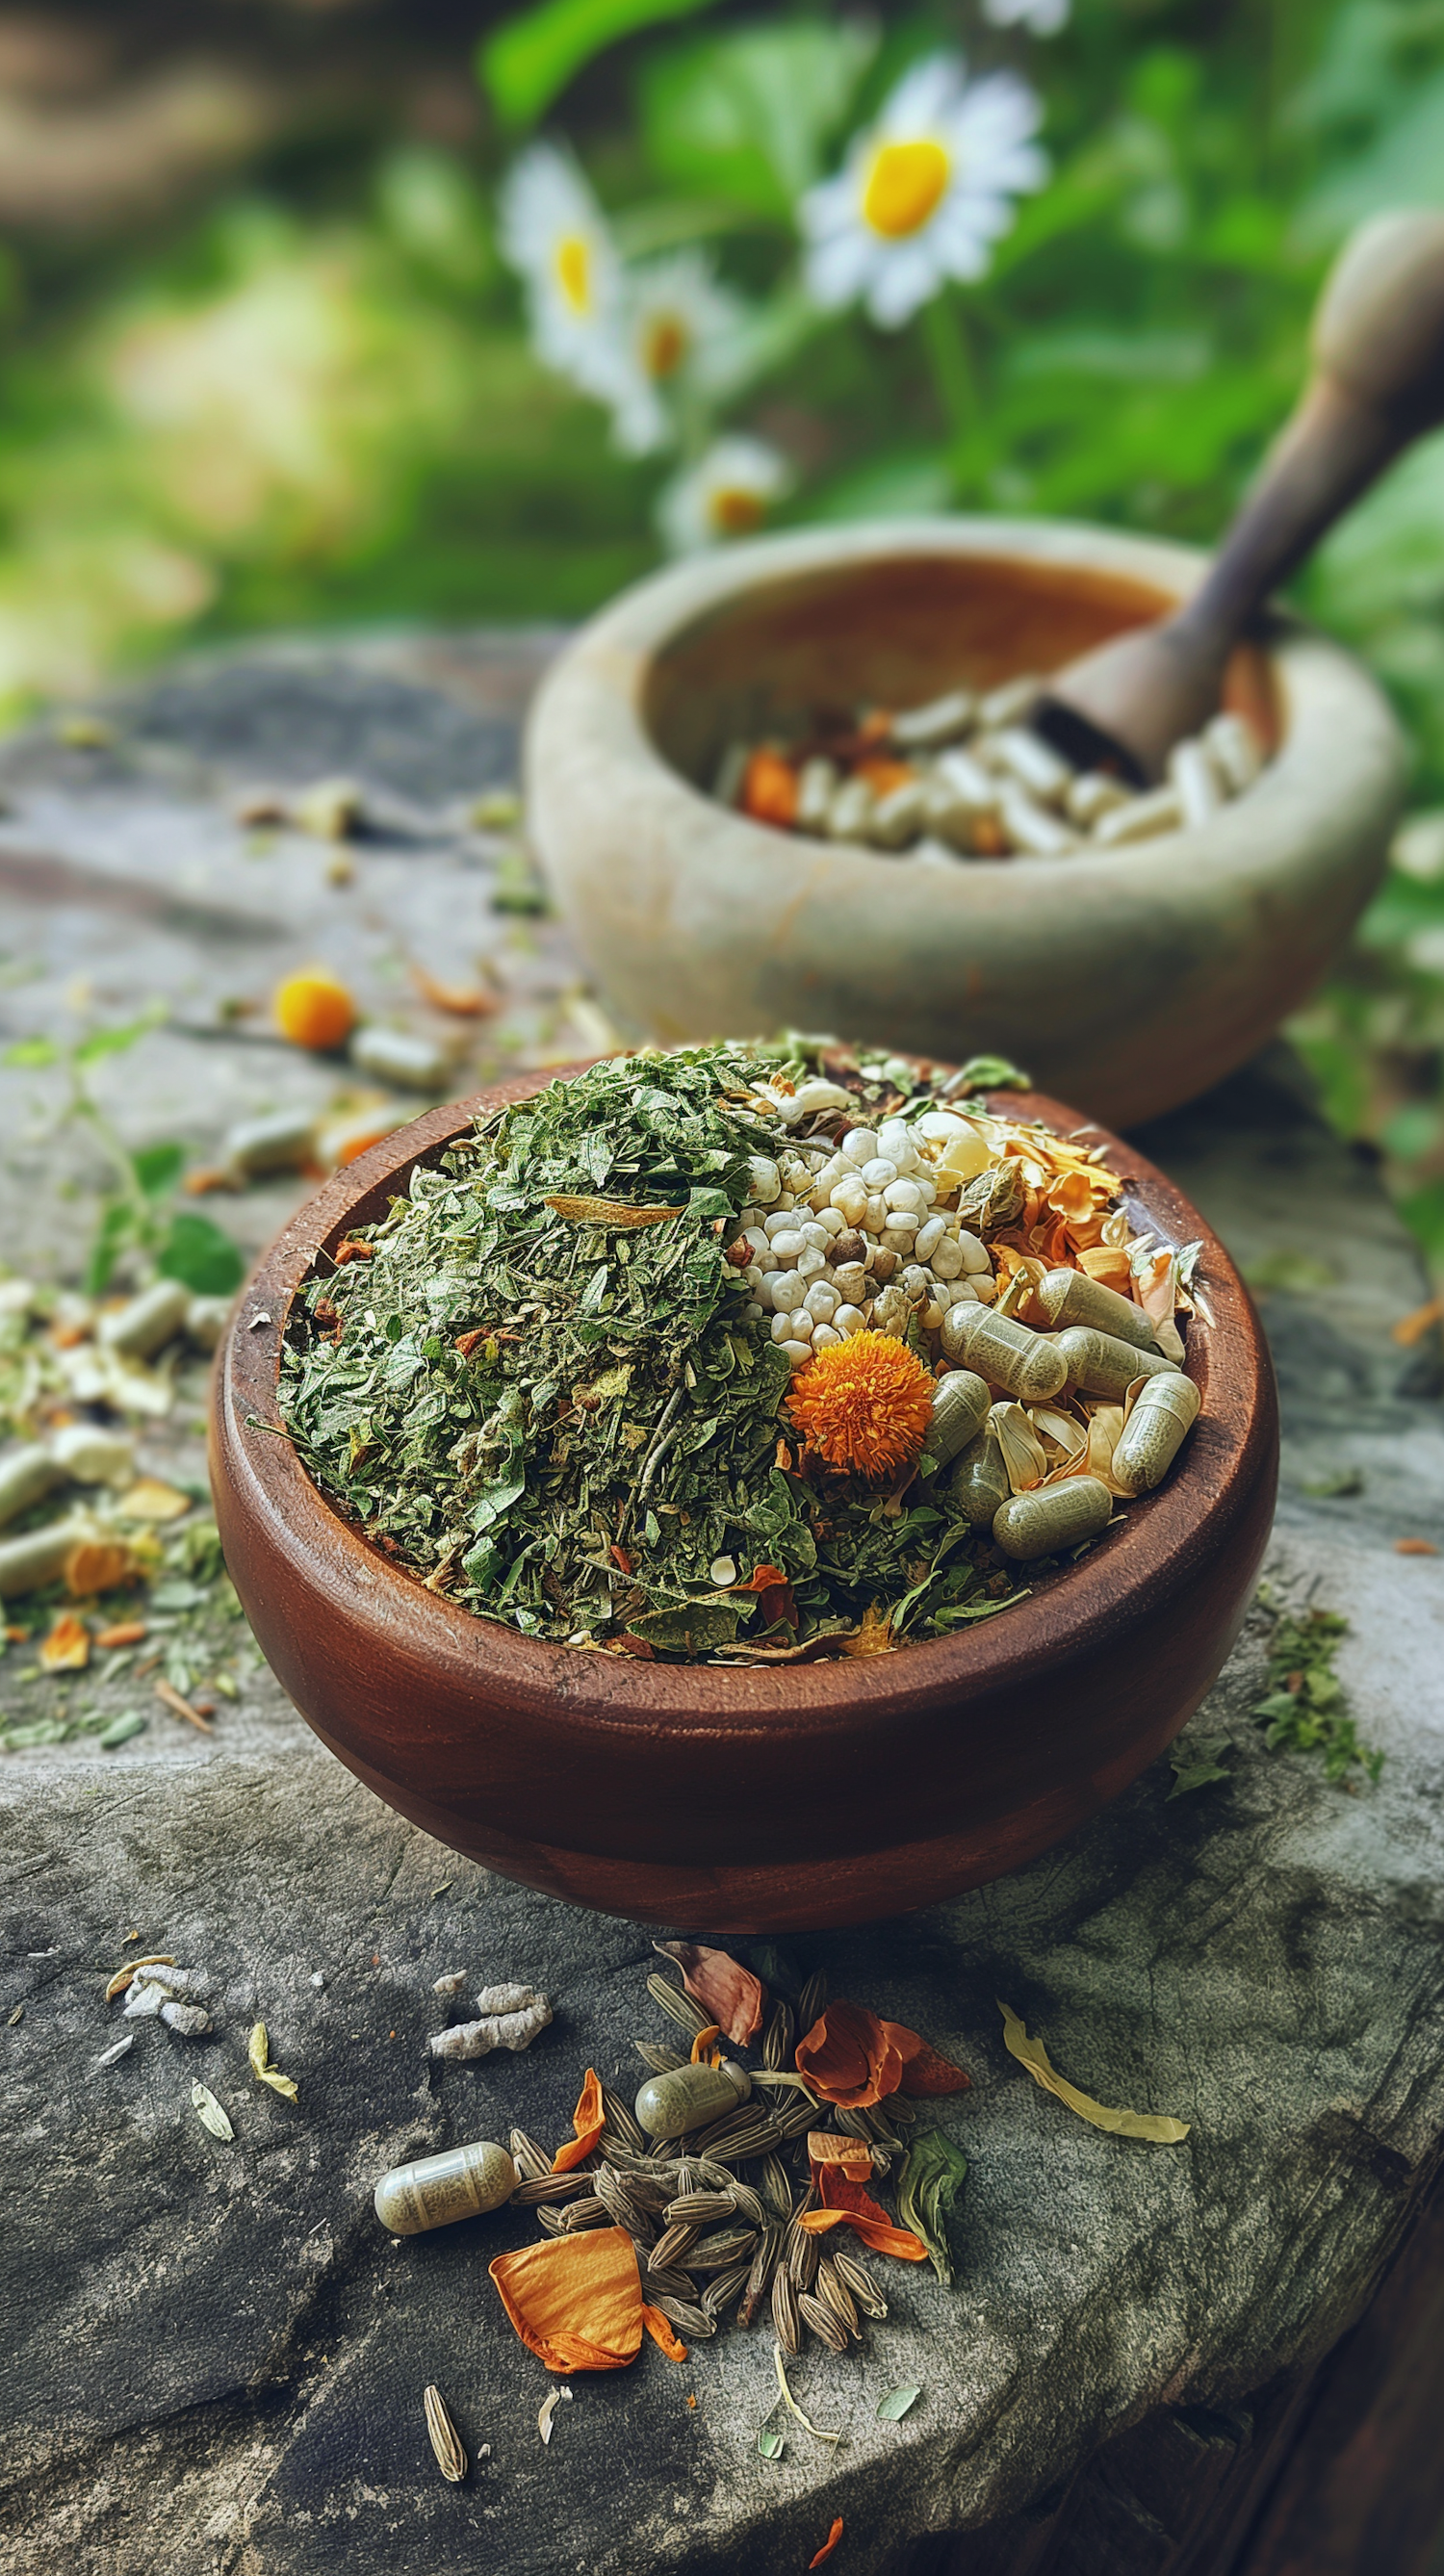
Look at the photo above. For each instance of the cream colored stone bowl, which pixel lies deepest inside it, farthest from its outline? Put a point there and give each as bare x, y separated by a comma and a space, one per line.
1127, 979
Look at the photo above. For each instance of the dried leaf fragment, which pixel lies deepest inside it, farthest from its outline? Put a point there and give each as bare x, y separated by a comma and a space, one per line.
123, 1976
209, 2113
1154, 2126
97, 1565
770, 2443
828, 2546
150, 1500
258, 2050
790, 2402
589, 2119
445, 2440
170, 1698
933, 2174
618, 1214
575, 2300
548, 2409
892, 2408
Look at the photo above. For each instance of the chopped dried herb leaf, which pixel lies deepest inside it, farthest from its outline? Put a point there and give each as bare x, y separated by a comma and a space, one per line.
933, 2174
1304, 1707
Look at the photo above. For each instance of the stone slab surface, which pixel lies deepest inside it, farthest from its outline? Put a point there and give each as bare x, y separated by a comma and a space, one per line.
217, 2354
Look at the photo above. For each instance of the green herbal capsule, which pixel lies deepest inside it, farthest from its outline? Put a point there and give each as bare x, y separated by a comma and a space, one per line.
1102, 1365
960, 1408
1163, 1415
1071, 1297
1053, 1517
1007, 1354
26, 1477
978, 1485
668, 2105
440, 2189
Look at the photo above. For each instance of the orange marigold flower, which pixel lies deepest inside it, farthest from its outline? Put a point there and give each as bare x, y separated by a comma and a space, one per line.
864, 1404
314, 1009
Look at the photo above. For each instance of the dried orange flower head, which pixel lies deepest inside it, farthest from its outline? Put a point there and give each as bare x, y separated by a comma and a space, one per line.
314, 1009
864, 1405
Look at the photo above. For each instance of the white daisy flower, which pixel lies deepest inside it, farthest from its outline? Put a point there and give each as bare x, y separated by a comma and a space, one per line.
1040, 17
681, 326
727, 494
925, 192
554, 234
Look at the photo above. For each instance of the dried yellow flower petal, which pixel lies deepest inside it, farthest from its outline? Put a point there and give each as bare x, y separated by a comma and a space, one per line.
1031, 2053
258, 2050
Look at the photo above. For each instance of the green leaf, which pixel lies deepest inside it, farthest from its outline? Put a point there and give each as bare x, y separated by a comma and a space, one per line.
749, 117
892, 2408
158, 1168
770, 2444
528, 61
1194, 1775
118, 1041
695, 1627
992, 1073
933, 2175
201, 1256
28, 1054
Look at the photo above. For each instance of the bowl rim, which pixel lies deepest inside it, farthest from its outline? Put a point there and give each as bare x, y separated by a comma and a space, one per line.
1159, 1543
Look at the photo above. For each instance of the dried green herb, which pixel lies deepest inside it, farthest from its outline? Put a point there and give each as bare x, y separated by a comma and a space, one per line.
933, 2174
1304, 1707
897, 2403
546, 1394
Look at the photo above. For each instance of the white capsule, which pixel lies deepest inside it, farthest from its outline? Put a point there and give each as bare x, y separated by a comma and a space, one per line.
809, 1263
875, 1215
822, 1335
945, 1256
1092, 796
816, 785
975, 1254
788, 1242
859, 1147
929, 1236
851, 811
830, 1219
799, 1325
850, 1200
879, 1171
902, 1224
779, 1291
797, 1353
1033, 762
779, 1221
847, 1320
904, 1194
1197, 781
815, 1234
822, 1301
1237, 750
782, 1324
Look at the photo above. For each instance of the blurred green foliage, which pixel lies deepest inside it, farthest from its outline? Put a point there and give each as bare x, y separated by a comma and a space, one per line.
312, 399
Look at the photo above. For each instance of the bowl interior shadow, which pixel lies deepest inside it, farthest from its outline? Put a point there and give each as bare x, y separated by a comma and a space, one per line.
895, 632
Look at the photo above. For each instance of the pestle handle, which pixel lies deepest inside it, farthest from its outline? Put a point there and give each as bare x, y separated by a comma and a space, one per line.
1377, 383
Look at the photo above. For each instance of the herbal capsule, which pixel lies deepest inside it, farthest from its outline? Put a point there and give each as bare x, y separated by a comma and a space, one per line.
439, 2189
668, 2105
1102, 1365
960, 1408
39, 1557
26, 1477
139, 1329
1071, 1297
1006, 1353
979, 1484
1053, 1517
1165, 1411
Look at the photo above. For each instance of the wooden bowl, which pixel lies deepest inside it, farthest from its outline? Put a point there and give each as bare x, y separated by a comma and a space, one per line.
1129, 978
757, 1800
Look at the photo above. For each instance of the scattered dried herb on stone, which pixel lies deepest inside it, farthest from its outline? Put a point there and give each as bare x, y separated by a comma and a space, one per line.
1304, 1707
934, 2172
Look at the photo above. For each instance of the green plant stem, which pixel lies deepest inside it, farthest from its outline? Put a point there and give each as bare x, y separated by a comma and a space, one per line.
945, 339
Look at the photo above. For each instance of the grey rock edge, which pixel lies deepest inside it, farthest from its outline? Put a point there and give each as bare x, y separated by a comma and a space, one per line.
217, 2354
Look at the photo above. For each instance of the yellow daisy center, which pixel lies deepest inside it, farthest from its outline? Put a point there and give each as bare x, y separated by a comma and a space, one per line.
664, 344
903, 187
572, 261
735, 512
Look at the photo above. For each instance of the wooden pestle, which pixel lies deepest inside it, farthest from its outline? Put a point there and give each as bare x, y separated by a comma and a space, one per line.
1377, 383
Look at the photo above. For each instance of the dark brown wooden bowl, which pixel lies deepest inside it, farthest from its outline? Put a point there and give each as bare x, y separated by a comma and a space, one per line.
747, 1801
